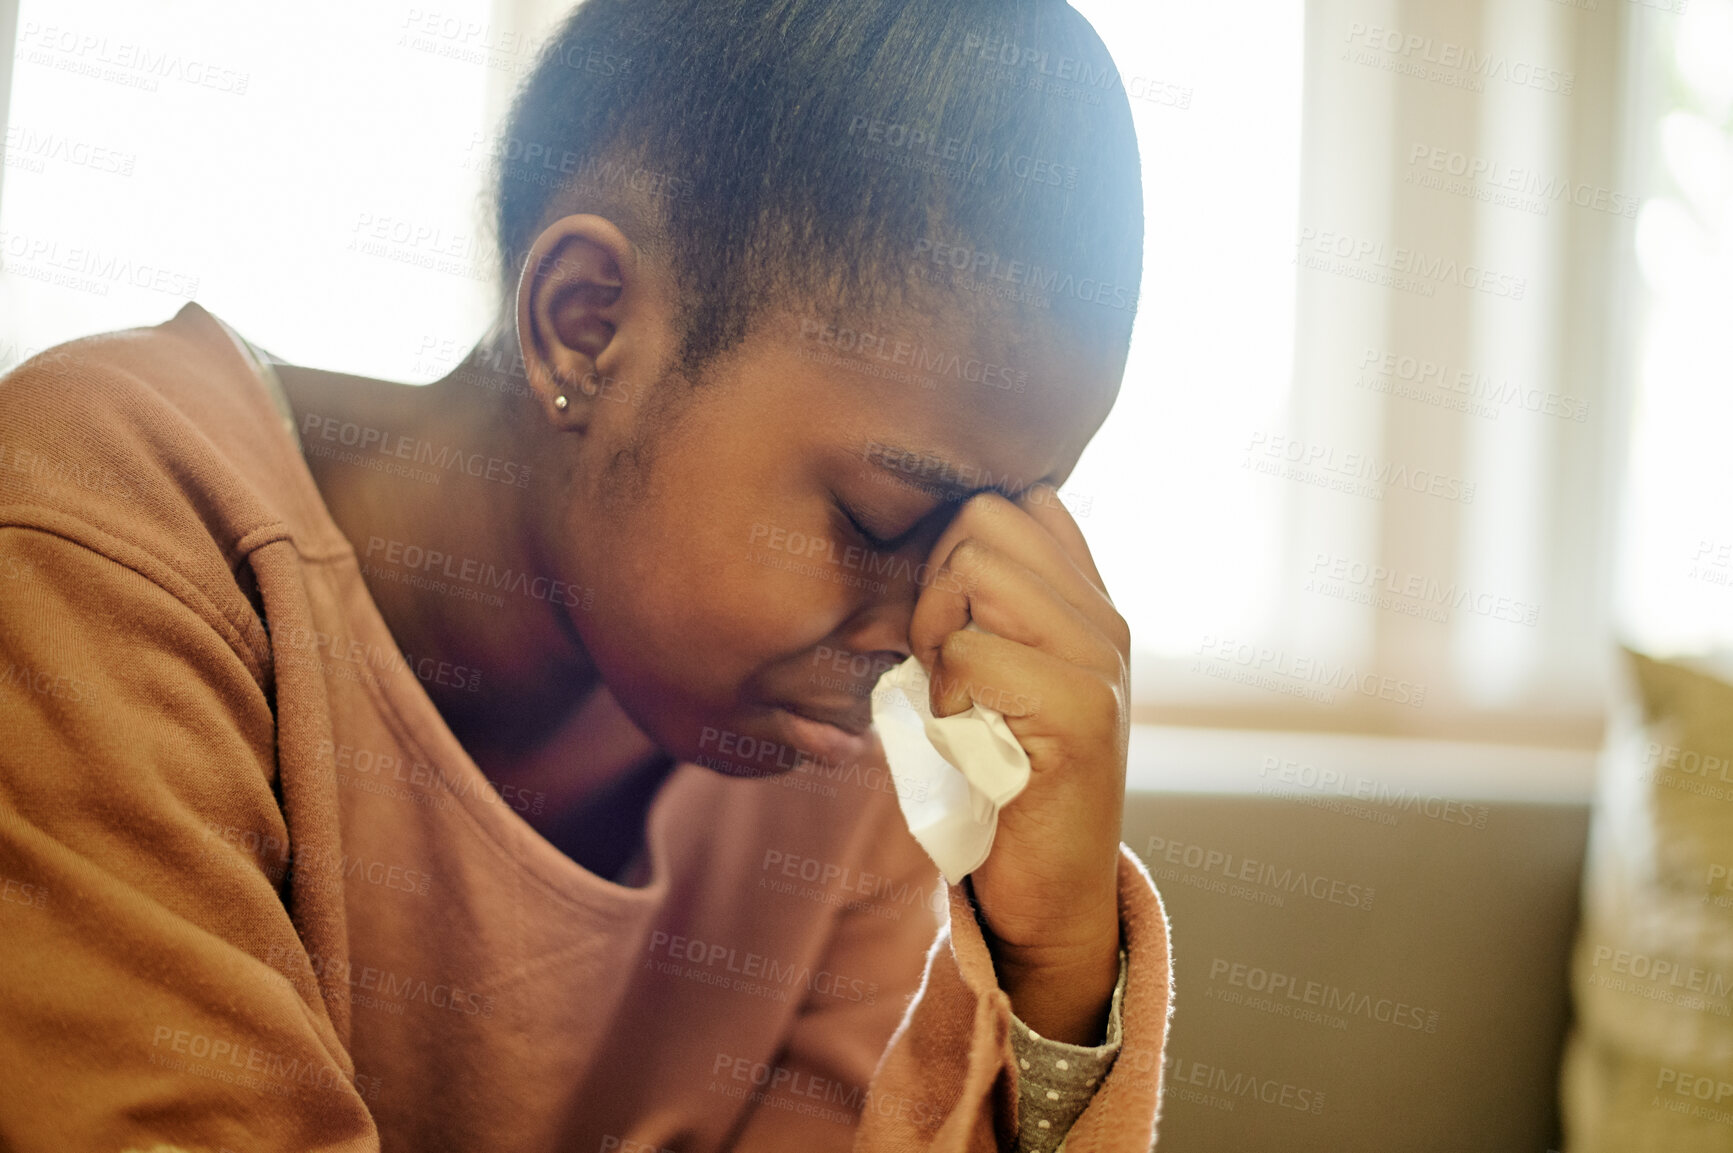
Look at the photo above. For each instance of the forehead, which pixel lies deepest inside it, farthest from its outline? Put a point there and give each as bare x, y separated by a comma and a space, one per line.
936, 395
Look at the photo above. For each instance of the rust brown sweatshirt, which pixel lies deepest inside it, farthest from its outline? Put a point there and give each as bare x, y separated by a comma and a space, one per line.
256, 897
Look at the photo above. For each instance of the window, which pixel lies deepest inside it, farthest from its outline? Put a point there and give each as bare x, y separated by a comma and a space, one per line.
1183, 534
287, 166
1676, 587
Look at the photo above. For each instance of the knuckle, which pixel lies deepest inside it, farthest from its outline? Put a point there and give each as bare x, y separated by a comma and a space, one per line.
969, 553
923, 641
955, 647
985, 502
963, 568
1119, 632
926, 629
1102, 700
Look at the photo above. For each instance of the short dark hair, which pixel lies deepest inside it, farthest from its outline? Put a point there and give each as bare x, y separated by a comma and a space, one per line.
837, 151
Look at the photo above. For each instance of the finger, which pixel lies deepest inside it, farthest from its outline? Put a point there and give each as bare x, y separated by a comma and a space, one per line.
974, 668
977, 582
1045, 701
1012, 531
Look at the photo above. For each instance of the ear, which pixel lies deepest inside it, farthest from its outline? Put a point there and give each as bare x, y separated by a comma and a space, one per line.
586, 308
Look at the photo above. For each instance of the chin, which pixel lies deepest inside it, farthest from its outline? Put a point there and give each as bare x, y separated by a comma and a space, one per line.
774, 741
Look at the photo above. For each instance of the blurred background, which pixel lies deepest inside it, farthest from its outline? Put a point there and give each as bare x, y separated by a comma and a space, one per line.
1427, 413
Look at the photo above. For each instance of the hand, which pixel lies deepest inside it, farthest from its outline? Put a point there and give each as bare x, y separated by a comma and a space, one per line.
1056, 666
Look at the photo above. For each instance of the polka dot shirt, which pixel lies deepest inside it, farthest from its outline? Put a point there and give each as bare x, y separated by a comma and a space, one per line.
1056, 1081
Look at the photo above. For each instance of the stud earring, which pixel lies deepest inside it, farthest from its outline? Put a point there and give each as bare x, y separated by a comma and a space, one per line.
560, 402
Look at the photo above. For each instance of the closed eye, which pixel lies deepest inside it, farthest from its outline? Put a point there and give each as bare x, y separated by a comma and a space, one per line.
876, 543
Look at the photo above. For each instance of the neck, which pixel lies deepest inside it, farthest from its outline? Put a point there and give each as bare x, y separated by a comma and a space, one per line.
447, 544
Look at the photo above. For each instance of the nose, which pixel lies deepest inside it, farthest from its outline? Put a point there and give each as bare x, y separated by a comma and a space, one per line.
880, 630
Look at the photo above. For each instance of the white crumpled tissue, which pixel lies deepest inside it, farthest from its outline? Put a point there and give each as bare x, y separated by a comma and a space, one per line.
952, 774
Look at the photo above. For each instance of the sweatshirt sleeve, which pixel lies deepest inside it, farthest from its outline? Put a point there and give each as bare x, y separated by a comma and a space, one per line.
954, 1060
143, 862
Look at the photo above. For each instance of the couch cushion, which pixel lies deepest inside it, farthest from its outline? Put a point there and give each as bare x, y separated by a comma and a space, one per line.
1649, 1065
1371, 938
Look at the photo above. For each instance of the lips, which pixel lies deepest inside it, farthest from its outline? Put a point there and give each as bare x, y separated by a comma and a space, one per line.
854, 717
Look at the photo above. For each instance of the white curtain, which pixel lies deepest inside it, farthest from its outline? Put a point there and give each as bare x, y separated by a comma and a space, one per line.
1449, 457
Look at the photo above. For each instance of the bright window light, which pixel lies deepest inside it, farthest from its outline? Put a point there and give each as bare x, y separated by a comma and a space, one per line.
1181, 533
291, 166
1677, 554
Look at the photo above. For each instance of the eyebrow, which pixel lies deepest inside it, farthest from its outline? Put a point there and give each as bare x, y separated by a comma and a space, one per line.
935, 474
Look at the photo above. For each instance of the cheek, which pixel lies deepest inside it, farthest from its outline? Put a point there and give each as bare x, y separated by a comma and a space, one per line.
698, 591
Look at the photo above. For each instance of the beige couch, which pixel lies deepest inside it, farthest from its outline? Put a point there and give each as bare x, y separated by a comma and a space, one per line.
1371, 938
